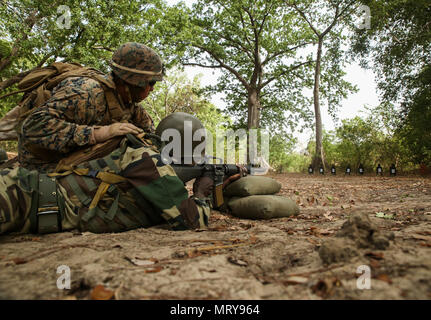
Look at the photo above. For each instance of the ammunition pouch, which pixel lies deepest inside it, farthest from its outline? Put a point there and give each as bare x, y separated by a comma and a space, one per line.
47, 206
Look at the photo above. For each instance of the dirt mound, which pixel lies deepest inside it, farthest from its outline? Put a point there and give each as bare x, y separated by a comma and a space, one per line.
358, 232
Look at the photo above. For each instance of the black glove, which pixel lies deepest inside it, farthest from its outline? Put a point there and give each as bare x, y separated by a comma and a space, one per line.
203, 187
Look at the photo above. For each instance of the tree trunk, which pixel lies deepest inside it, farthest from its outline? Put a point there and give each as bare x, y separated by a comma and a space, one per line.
253, 109
252, 123
319, 158
11, 81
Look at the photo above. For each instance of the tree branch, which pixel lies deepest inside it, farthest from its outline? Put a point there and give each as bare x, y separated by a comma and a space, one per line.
285, 72
29, 23
244, 28
265, 16
338, 14
200, 65
268, 59
225, 66
103, 48
11, 81
306, 19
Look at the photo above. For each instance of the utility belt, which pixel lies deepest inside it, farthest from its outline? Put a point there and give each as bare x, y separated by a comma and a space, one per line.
47, 210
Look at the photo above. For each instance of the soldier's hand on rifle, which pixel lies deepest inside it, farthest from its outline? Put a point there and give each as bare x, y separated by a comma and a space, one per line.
203, 187
104, 133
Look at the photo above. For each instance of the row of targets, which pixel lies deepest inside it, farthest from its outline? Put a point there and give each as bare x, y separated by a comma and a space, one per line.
360, 170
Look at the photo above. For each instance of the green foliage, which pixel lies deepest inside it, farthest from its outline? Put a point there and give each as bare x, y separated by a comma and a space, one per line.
279, 151
399, 43
358, 139
10, 146
415, 125
177, 93
34, 33
254, 44
368, 141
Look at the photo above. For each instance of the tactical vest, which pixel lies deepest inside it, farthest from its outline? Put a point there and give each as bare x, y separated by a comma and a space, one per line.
39, 83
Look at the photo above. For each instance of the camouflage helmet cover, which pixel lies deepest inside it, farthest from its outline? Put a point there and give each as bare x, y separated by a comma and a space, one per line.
137, 64
182, 122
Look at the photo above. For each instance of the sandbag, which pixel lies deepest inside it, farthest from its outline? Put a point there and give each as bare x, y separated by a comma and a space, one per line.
252, 185
262, 207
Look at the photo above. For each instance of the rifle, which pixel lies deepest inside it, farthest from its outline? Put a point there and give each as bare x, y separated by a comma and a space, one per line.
217, 172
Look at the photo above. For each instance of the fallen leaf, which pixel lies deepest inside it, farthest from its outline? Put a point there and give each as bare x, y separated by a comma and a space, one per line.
193, 253
326, 232
324, 288
238, 262
374, 264
424, 232
19, 261
375, 255
253, 239
173, 272
384, 277
421, 237
312, 241
154, 270
380, 214
101, 293
384, 215
328, 216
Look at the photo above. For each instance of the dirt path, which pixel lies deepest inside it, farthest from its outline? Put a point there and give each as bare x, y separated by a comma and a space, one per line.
243, 259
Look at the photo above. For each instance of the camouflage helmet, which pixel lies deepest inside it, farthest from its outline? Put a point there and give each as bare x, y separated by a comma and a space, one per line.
186, 124
137, 64
3, 156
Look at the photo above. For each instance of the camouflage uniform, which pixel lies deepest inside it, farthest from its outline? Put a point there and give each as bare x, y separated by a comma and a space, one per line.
152, 195
66, 122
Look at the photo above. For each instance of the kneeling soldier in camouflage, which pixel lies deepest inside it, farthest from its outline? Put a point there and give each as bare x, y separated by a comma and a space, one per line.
79, 107
129, 188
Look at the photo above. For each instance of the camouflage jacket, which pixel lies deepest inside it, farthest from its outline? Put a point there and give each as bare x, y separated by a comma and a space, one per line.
65, 122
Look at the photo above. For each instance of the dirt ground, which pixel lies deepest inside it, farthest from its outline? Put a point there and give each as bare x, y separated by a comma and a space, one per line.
314, 255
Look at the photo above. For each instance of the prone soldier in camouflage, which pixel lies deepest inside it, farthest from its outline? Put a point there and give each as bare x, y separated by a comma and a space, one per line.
147, 193
77, 113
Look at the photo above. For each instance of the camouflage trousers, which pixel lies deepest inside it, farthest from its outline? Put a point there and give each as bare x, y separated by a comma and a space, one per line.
150, 194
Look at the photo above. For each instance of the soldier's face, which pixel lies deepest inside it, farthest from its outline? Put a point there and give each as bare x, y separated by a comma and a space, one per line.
139, 94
